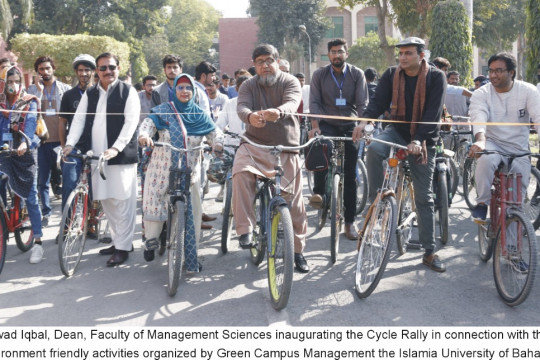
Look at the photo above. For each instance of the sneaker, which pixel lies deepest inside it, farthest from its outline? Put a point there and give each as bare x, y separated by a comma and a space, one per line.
45, 221
316, 201
520, 265
37, 254
479, 212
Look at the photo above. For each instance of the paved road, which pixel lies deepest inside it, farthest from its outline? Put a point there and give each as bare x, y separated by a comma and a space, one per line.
231, 291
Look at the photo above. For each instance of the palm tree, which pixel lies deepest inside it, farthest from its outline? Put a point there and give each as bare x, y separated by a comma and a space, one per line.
6, 17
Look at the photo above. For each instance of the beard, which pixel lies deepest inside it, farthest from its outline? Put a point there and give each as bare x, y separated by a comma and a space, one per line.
338, 63
267, 80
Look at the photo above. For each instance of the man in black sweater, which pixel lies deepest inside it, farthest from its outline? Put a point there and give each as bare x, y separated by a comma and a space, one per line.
416, 97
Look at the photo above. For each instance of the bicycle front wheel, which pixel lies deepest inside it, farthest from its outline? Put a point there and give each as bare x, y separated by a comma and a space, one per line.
375, 247
259, 248
514, 259
454, 180
177, 227
4, 234
460, 157
531, 198
73, 231
226, 226
469, 184
442, 205
361, 186
336, 212
485, 242
407, 216
280, 256
24, 235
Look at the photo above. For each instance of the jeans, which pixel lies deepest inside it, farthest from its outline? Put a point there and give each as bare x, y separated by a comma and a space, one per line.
70, 177
422, 177
46, 161
349, 170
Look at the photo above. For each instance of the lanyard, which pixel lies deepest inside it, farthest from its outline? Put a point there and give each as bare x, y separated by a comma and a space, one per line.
49, 95
340, 86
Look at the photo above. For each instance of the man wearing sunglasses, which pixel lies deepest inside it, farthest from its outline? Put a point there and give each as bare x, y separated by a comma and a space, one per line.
105, 122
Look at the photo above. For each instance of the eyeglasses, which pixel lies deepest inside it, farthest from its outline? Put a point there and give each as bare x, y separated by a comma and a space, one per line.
337, 52
268, 62
11, 82
110, 67
184, 87
497, 71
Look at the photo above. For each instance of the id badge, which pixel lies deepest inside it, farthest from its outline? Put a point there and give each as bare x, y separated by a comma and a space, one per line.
341, 102
7, 136
50, 112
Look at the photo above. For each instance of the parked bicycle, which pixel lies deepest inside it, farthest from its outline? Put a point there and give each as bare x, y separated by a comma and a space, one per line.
78, 211
273, 232
508, 236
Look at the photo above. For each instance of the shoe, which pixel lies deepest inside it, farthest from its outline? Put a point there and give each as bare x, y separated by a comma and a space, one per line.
246, 241
479, 212
219, 197
118, 258
434, 263
206, 226
110, 250
207, 218
300, 263
149, 255
350, 232
151, 244
316, 201
37, 254
91, 235
45, 221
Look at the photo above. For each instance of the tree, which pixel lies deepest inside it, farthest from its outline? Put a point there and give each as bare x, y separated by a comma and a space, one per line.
383, 14
278, 22
15, 14
451, 37
413, 17
533, 39
368, 53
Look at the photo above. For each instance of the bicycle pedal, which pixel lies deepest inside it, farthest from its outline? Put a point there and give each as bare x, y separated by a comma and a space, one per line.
414, 244
480, 221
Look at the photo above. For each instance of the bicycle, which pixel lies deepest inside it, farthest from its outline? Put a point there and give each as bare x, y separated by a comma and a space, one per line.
227, 224
443, 181
179, 192
508, 236
381, 224
273, 232
75, 216
333, 192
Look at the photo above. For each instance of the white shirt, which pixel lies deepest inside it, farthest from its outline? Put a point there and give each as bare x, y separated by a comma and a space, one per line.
305, 98
121, 180
229, 117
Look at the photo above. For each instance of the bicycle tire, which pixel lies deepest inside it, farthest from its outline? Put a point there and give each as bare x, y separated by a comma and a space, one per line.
406, 208
375, 247
460, 156
442, 206
514, 272
485, 241
102, 227
258, 251
72, 235
280, 257
531, 198
176, 234
362, 186
322, 212
469, 184
226, 226
454, 180
336, 212
24, 236
4, 235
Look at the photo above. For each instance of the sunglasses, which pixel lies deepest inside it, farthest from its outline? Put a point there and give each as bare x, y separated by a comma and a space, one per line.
110, 67
184, 87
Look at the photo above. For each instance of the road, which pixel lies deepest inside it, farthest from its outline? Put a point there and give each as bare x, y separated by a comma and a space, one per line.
230, 291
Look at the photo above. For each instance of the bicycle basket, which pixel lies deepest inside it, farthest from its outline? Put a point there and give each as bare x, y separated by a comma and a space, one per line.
219, 167
318, 155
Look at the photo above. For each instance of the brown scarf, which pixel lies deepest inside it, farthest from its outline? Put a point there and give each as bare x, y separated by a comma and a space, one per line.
398, 100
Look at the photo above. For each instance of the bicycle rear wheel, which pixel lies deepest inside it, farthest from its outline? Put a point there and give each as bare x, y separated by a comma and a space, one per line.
73, 231
259, 249
485, 242
441, 205
514, 267
469, 184
226, 226
176, 233
407, 216
361, 186
4, 234
280, 257
531, 198
375, 247
336, 211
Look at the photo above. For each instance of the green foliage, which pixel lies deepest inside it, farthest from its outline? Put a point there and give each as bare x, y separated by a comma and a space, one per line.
413, 17
155, 48
367, 52
15, 15
279, 20
451, 38
532, 35
64, 48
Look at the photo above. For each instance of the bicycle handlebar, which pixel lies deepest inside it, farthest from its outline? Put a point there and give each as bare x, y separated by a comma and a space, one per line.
513, 156
163, 144
279, 148
6, 149
89, 155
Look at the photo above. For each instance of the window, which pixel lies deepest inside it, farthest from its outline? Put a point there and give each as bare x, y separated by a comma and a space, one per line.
325, 58
337, 30
371, 23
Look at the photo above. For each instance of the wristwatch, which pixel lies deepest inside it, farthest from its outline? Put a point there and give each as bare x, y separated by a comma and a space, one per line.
416, 142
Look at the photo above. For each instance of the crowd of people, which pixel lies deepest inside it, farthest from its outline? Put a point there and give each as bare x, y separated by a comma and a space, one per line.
266, 104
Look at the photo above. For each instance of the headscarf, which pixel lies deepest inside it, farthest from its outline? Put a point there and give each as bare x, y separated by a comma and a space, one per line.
4, 107
196, 121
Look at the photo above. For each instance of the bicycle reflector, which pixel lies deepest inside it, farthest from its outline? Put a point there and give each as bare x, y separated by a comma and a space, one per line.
393, 162
401, 154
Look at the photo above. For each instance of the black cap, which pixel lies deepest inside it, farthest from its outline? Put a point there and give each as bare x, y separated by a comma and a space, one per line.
411, 41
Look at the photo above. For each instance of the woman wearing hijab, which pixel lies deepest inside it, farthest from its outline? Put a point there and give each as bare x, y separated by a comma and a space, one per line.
18, 110
183, 124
